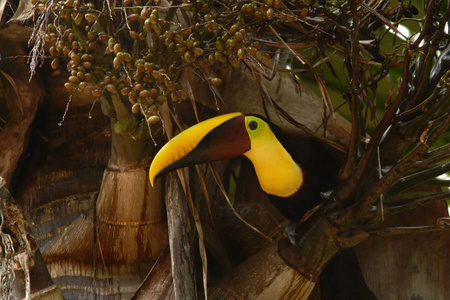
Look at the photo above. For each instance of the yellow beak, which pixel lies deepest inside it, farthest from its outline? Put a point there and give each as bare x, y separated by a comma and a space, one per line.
219, 138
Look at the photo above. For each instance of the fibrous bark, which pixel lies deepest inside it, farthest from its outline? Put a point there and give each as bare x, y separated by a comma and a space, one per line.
23, 270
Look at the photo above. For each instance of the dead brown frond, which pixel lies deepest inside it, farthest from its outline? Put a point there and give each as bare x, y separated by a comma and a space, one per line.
15, 88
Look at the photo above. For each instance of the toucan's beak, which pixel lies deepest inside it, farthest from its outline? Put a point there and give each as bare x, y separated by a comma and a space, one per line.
219, 138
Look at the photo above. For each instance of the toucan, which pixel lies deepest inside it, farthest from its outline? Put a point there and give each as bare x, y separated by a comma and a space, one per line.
293, 172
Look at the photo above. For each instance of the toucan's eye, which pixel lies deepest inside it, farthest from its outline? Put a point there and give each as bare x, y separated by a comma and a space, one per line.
252, 125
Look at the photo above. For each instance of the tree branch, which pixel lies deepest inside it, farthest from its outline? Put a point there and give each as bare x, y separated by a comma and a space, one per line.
441, 224
438, 152
345, 190
422, 106
355, 103
387, 180
417, 178
414, 202
180, 235
425, 69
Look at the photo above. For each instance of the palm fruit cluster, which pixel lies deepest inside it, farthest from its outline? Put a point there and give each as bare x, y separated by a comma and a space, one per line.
135, 50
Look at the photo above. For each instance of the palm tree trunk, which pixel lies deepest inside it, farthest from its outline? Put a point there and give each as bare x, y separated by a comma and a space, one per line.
130, 213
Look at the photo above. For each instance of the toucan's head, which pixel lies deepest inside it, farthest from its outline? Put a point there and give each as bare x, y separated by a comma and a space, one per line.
228, 136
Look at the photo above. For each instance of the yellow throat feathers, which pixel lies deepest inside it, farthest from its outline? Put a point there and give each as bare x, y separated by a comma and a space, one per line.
278, 174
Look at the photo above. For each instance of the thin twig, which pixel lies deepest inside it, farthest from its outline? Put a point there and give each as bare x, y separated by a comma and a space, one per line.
222, 189
417, 178
426, 25
380, 175
413, 203
429, 58
392, 231
204, 190
422, 105
320, 83
383, 19
443, 150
